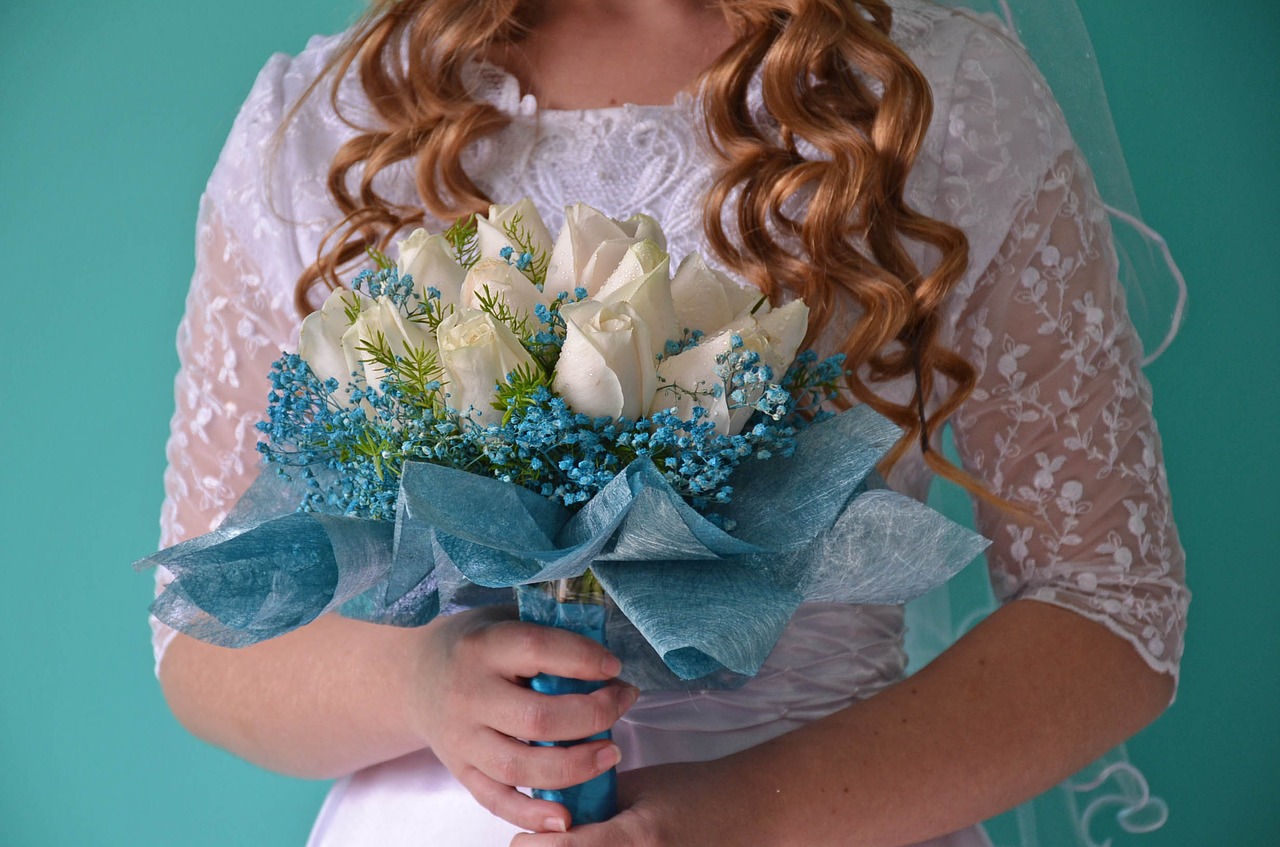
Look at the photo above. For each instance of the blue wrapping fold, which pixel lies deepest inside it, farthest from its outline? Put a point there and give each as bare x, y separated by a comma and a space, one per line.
817, 526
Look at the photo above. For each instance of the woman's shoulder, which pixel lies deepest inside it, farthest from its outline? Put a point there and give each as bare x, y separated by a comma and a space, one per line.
978, 71
282, 91
996, 134
287, 75
269, 186
936, 36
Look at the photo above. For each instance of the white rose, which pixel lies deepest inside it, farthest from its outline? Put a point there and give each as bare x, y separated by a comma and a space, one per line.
381, 319
477, 352
320, 339
785, 328
590, 247
645, 228
706, 299
643, 280
429, 260
606, 367
503, 283
491, 232
639, 260
689, 378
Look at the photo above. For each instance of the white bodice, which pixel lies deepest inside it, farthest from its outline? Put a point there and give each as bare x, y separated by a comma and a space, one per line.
1060, 419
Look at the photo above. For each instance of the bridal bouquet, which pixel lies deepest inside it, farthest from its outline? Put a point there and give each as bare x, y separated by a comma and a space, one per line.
490, 350
634, 451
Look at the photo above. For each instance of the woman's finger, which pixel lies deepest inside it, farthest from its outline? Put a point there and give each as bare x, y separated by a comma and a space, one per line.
518, 649
513, 807
622, 831
523, 713
512, 763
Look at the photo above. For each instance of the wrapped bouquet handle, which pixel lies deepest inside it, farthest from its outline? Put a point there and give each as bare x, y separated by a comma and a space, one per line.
576, 605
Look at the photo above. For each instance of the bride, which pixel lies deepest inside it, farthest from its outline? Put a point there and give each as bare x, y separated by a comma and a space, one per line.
902, 167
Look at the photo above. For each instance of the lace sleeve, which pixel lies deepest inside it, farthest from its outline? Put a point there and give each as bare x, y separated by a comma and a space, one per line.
1061, 422
230, 334
239, 316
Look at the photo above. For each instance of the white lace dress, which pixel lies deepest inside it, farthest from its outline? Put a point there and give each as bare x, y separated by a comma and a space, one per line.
1060, 420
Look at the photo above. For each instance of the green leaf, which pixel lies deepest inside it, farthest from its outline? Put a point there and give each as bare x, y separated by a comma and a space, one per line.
462, 237
380, 259
351, 307
517, 322
523, 239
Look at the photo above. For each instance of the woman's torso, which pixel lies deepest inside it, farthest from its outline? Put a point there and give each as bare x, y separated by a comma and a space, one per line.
623, 160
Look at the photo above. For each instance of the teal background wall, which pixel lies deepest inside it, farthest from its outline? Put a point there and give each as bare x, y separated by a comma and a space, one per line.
111, 116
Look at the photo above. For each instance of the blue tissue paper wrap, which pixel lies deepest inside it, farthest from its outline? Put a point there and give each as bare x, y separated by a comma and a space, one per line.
697, 603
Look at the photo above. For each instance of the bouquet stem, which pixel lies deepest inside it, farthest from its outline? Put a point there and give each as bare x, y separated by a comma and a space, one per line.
578, 605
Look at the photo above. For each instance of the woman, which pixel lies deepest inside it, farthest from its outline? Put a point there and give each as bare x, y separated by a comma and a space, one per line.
904, 170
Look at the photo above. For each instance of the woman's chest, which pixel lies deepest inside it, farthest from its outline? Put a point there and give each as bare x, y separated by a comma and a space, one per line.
623, 161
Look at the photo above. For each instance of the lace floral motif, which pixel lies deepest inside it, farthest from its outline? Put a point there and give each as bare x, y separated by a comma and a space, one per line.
1060, 422
1061, 419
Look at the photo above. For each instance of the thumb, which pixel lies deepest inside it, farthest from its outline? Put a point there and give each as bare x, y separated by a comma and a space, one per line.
618, 832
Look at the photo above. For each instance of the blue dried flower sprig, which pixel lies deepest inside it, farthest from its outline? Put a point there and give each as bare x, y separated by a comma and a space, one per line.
569, 457
541, 444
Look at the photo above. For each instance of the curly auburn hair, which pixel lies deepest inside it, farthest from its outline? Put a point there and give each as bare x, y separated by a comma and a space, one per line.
833, 79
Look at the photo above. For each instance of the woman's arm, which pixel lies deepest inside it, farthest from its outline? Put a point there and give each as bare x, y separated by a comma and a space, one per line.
1085, 650
338, 695
1029, 696
319, 702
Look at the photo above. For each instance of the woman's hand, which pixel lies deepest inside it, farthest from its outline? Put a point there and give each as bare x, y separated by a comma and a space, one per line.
690, 804
1026, 698
475, 705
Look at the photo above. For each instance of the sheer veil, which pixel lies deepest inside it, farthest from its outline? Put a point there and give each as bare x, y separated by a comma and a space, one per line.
1112, 794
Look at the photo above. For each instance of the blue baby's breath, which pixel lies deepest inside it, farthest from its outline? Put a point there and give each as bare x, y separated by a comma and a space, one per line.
348, 441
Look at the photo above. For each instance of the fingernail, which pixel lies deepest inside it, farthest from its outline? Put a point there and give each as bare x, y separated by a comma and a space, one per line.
628, 697
608, 757
611, 666
554, 825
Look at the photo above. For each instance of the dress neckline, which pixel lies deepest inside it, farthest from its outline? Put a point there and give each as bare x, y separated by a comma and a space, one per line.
501, 88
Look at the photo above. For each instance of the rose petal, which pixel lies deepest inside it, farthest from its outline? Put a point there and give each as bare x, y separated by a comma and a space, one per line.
320, 338
504, 284
430, 261
491, 232
477, 352
707, 300
606, 365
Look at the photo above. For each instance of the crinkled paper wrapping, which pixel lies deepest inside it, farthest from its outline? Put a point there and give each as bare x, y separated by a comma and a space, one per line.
818, 526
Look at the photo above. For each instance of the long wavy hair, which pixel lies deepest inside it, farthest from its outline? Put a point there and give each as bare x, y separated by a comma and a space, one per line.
833, 80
